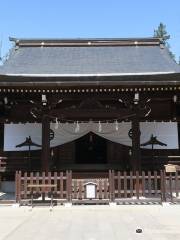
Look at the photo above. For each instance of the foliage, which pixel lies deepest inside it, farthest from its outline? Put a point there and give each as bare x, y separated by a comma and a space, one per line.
161, 32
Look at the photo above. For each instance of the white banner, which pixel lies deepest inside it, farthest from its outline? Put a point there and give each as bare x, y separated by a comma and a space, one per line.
15, 134
166, 132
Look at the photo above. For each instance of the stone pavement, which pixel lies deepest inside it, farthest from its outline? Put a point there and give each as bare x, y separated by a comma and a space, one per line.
90, 223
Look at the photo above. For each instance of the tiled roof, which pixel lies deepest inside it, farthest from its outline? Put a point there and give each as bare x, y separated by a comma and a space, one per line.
88, 57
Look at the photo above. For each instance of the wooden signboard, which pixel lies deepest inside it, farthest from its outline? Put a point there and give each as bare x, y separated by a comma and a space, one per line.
171, 168
90, 190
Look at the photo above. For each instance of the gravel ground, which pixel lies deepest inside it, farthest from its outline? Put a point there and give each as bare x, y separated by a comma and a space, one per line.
90, 223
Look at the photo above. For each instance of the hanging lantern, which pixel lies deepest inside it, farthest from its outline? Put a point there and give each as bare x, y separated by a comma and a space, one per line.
56, 124
116, 125
77, 127
100, 127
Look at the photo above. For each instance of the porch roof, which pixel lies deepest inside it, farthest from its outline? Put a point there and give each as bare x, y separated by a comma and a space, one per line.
67, 60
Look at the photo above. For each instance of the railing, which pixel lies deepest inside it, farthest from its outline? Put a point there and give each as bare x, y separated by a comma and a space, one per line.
101, 189
128, 185
145, 185
61, 180
116, 187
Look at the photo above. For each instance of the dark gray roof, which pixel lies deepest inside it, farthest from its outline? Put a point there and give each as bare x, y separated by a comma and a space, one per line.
101, 57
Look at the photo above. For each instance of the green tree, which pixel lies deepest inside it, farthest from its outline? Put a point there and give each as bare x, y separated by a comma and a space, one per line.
161, 32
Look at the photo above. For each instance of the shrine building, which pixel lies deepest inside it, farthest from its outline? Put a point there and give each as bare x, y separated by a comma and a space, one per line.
89, 107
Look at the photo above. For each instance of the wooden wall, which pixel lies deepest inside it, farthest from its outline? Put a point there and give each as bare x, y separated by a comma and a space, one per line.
118, 154
64, 154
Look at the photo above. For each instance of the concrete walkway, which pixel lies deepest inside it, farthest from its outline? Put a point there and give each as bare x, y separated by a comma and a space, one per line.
90, 223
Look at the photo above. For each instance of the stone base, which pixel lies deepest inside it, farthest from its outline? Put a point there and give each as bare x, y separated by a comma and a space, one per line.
67, 204
134, 198
174, 195
165, 204
50, 208
112, 204
16, 205
142, 198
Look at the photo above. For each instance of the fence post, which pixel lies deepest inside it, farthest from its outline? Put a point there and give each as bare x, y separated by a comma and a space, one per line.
0, 181
137, 184
69, 185
18, 186
111, 186
163, 190
19, 183
170, 187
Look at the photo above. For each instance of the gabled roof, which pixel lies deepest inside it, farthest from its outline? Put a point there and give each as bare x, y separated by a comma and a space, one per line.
89, 62
88, 57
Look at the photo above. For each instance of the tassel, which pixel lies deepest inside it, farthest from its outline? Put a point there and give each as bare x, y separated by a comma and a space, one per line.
77, 127
116, 125
56, 124
100, 127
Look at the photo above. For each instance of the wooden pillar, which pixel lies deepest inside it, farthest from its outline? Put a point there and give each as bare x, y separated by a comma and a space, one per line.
136, 153
45, 156
178, 127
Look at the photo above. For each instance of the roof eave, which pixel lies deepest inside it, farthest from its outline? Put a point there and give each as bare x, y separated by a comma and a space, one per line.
139, 80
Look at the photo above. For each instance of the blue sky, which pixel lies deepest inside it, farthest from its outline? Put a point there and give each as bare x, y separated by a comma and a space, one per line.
88, 18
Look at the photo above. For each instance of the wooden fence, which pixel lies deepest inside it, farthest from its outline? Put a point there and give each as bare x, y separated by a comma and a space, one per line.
101, 188
129, 185
55, 183
115, 187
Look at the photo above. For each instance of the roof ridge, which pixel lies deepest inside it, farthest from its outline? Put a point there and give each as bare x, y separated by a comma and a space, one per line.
86, 41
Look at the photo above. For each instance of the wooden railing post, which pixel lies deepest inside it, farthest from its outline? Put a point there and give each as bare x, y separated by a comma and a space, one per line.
137, 184
163, 189
111, 186
0, 181
69, 185
18, 187
170, 187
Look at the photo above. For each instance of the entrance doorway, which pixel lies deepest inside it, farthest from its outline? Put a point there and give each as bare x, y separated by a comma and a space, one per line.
91, 149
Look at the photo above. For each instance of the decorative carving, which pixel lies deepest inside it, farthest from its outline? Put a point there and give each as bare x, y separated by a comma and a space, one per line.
91, 103
139, 106
44, 107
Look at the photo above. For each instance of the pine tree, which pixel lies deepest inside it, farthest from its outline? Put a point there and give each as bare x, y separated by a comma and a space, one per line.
161, 32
